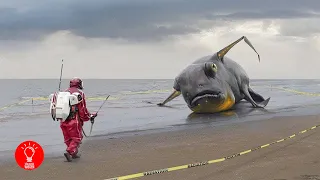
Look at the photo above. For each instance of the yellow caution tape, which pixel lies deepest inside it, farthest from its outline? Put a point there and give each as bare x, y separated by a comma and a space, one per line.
291, 90
297, 92
15, 104
88, 98
117, 97
148, 173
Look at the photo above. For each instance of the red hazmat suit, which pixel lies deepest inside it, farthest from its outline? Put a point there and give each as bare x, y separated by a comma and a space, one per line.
72, 127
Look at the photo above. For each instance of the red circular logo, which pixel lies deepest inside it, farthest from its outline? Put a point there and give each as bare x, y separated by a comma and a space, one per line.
29, 155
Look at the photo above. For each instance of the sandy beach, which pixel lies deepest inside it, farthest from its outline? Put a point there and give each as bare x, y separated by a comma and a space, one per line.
296, 158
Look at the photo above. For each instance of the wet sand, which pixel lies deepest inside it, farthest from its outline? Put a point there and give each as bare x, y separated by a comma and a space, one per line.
297, 158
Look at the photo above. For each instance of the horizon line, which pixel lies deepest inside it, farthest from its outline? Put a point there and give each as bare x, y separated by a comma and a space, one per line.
147, 78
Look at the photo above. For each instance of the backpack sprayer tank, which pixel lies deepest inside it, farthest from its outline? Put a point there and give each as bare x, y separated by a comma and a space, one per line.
61, 103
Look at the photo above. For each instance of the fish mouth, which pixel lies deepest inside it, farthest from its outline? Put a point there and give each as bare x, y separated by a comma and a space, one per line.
208, 96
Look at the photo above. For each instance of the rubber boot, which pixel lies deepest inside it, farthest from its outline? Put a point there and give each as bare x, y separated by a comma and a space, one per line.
68, 156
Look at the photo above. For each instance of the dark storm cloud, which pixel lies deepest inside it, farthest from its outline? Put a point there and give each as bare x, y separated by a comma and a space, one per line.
137, 19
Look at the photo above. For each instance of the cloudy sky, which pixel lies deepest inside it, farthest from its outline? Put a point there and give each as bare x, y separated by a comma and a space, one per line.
156, 38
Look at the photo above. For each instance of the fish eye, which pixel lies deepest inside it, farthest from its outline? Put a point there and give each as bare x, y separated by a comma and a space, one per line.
214, 67
210, 69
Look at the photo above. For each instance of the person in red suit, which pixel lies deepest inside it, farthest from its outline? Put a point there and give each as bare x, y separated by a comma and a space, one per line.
72, 127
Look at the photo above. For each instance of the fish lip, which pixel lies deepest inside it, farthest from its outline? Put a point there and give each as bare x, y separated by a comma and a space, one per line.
205, 94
